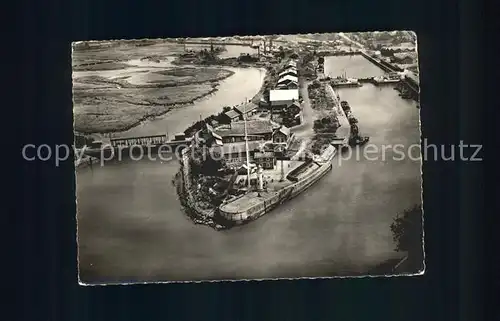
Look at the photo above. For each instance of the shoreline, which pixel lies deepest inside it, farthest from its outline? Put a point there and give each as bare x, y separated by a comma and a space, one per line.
150, 117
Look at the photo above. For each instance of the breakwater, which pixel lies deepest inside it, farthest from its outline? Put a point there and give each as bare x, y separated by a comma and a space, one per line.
338, 53
380, 63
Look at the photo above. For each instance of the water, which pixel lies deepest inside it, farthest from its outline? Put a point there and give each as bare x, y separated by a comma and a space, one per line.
354, 66
245, 83
131, 227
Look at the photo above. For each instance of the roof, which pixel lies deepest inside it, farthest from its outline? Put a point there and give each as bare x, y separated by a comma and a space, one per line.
291, 70
253, 127
295, 103
292, 63
283, 94
247, 107
232, 114
233, 148
289, 67
288, 78
284, 130
285, 84
263, 154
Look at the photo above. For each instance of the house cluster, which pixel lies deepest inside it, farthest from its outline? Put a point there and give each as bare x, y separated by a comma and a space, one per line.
284, 98
264, 139
239, 112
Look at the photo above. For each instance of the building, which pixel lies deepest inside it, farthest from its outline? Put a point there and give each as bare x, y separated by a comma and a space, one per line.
288, 85
257, 130
291, 64
280, 98
292, 114
404, 58
293, 109
290, 71
282, 135
246, 109
288, 82
230, 116
266, 159
289, 68
235, 154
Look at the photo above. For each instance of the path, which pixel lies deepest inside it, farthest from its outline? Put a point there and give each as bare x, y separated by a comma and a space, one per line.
306, 128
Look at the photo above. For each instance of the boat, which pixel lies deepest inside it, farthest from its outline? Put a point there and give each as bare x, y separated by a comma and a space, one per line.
243, 210
358, 141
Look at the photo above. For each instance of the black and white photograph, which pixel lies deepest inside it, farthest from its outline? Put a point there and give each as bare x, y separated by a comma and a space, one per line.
248, 158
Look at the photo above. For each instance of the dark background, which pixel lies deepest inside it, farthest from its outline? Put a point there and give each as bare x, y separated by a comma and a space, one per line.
450, 41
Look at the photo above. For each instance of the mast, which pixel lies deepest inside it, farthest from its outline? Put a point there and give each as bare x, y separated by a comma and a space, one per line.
246, 144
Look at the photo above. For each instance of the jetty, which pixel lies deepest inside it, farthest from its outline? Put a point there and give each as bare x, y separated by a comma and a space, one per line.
253, 205
126, 146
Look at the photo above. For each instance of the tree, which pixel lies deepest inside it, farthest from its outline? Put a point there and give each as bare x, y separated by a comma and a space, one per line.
204, 163
407, 233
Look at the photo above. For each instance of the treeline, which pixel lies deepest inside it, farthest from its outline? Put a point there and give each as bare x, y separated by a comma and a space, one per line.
199, 125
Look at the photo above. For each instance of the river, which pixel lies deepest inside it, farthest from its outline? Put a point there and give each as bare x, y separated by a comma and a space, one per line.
131, 227
245, 83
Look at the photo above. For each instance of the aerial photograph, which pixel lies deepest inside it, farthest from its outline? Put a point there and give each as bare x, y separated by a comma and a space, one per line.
248, 158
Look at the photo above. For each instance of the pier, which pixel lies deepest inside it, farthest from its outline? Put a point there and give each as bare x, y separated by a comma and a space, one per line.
344, 131
131, 145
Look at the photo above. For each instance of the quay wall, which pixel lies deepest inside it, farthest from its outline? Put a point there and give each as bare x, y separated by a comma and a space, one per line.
278, 198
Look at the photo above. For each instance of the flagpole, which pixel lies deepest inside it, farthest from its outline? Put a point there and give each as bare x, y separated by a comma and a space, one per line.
246, 144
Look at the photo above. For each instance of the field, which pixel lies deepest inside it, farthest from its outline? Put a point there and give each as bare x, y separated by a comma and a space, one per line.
116, 85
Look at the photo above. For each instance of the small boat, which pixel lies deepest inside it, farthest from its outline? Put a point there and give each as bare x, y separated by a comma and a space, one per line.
358, 141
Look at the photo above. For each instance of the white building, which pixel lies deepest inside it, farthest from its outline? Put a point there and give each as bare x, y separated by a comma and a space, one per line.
283, 97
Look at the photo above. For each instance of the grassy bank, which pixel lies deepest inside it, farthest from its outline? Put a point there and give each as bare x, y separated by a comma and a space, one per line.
103, 105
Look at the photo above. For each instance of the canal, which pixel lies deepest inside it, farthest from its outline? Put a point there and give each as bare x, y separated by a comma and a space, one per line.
131, 226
